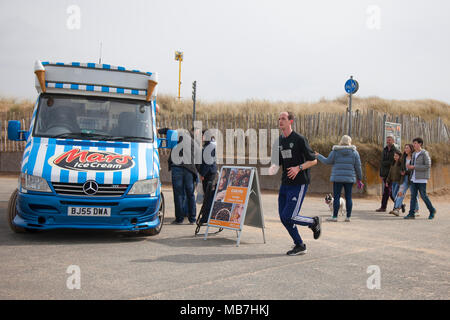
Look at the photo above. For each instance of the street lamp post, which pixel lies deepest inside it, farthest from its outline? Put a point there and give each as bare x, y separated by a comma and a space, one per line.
179, 58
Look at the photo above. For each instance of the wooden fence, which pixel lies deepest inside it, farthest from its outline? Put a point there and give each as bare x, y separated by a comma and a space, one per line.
367, 126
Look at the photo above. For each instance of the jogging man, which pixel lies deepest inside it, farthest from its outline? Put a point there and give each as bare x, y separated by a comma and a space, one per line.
296, 157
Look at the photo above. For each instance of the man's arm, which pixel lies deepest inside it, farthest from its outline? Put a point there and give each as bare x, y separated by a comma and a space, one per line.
275, 158
310, 160
293, 171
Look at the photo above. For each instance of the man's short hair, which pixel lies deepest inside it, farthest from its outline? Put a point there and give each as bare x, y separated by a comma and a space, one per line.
290, 115
418, 140
390, 137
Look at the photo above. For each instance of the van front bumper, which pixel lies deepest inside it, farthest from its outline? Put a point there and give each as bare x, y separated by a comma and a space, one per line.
45, 212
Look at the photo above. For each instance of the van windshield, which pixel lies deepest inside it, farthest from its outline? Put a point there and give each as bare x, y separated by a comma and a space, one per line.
93, 118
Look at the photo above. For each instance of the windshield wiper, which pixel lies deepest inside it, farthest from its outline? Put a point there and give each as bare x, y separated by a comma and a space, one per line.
130, 138
82, 135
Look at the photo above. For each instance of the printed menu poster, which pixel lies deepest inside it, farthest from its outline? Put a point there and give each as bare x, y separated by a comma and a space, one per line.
231, 194
394, 130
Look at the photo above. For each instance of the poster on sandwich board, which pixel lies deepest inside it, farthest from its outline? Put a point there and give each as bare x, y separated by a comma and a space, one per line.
237, 201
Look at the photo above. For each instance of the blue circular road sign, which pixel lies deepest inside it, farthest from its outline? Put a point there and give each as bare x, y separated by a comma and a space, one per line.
351, 86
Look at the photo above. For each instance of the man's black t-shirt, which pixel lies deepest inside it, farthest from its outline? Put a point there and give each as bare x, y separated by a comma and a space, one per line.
293, 151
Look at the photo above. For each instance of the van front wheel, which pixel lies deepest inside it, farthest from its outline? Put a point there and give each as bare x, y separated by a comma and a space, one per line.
157, 230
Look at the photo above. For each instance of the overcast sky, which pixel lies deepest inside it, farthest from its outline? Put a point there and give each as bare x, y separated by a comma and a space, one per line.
239, 49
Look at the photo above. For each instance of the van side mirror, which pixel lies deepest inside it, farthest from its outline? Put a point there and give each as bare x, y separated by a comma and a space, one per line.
14, 132
170, 141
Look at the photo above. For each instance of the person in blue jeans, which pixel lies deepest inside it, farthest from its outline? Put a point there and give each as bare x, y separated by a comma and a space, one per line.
395, 177
421, 169
183, 184
182, 163
345, 172
406, 181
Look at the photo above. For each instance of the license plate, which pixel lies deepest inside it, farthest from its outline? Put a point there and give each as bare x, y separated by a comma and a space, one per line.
89, 212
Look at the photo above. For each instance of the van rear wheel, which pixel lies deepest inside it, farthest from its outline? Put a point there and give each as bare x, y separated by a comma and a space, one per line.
157, 230
12, 212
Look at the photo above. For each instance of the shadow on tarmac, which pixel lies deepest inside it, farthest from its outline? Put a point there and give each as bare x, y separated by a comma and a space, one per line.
367, 215
205, 258
65, 237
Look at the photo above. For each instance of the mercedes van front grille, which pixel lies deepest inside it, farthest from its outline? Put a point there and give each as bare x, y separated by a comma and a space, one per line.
82, 190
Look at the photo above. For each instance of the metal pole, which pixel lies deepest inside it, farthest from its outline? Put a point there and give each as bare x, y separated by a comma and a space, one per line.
350, 113
206, 233
239, 238
179, 79
100, 58
194, 97
193, 114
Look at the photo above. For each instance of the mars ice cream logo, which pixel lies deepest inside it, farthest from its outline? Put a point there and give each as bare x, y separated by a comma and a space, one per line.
86, 160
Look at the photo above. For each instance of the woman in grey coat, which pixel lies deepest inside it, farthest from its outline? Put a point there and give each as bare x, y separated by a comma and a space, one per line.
345, 172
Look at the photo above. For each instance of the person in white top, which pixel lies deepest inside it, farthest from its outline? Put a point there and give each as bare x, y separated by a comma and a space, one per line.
421, 167
406, 181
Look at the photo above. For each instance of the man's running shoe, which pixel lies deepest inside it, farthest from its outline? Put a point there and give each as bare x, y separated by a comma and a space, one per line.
297, 250
403, 208
316, 227
409, 216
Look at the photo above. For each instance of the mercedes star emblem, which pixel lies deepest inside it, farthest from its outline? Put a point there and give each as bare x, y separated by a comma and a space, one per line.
90, 187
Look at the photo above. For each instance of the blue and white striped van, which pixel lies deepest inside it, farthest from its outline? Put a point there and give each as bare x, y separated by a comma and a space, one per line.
91, 157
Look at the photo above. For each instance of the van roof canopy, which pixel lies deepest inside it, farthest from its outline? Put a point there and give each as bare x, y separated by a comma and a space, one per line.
95, 79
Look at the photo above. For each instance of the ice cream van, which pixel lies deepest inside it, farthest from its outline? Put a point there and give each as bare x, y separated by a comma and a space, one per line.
91, 157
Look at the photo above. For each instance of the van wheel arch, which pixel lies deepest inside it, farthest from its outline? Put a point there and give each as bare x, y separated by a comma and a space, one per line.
161, 211
12, 212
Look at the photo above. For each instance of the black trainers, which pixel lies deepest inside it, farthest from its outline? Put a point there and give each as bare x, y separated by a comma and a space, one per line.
403, 208
409, 216
316, 228
431, 216
177, 222
297, 250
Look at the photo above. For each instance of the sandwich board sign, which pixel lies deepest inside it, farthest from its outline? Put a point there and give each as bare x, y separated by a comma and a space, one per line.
237, 201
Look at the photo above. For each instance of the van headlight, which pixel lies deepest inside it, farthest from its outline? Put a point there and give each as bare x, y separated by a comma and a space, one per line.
34, 183
145, 187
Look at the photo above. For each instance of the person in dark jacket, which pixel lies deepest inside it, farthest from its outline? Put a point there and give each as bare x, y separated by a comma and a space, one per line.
182, 163
346, 171
208, 168
386, 161
292, 152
